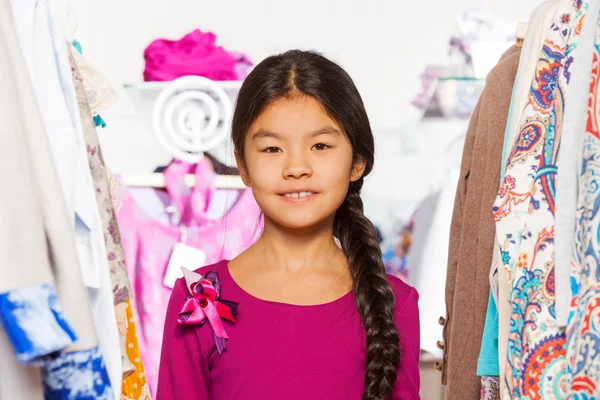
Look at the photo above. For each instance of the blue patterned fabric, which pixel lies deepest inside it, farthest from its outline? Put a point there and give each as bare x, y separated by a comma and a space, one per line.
583, 344
79, 375
34, 322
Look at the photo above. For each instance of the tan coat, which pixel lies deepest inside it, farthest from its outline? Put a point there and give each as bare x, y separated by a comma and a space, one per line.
472, 232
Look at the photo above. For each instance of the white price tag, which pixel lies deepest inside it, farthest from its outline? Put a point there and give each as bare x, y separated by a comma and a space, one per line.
182, 256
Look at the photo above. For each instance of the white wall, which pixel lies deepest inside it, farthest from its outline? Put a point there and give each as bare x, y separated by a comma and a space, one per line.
383, 44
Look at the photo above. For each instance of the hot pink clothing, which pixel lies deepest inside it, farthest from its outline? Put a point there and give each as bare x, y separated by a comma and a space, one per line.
148, 240
193, 54
281, 351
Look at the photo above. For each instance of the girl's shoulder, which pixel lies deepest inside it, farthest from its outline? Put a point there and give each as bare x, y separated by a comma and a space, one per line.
406, 295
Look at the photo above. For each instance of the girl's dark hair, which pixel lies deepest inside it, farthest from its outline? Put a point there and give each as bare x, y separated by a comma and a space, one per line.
296, 73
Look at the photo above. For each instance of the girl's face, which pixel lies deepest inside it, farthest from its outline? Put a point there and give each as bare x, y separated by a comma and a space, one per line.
299, 163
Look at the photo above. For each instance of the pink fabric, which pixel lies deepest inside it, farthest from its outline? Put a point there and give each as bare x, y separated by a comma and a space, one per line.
194, 54
281, 351
148, 244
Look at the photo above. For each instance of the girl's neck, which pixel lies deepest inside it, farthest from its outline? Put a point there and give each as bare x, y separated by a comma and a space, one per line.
296, 250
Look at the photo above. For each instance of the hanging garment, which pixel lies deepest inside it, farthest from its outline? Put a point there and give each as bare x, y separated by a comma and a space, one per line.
41, 36
421, 223
99, 92
38, 235
539, 25
433, 249
569, 160
583, 339
103, 298
193, 54
135, 386
495, 334
524, 214
470, 255
487, 364
504, 310
201, 219
119, 282
88, 227
112, 238
490, 388
45, 48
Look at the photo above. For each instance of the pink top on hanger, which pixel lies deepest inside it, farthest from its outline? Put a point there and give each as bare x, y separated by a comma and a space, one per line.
193, 54
149, 236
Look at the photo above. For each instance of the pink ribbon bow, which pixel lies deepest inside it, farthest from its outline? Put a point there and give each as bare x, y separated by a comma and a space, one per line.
204, 304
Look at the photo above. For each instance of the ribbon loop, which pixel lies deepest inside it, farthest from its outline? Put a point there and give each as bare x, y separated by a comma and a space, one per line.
203, 305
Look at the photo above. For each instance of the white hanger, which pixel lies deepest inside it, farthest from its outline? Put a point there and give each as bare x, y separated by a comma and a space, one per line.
191, 116
157, 180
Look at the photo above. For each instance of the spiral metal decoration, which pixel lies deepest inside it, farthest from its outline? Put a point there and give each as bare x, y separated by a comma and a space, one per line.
192, 116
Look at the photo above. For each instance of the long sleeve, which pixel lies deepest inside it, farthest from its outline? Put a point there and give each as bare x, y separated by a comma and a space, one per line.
29, 311
183, 370
456, 227
37, 237
472, 232
407, 320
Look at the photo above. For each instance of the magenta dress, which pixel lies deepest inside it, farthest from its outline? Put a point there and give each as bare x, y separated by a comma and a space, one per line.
280, 351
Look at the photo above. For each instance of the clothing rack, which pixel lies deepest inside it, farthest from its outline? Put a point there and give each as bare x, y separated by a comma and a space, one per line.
157, 180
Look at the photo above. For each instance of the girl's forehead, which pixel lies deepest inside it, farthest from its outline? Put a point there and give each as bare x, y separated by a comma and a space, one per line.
301, 115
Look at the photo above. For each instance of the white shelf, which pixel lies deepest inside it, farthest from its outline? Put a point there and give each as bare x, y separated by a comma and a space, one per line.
227, 85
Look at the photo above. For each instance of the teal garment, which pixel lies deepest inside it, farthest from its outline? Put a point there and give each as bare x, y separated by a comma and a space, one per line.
97, 118
99, 121
488, 364
77, 46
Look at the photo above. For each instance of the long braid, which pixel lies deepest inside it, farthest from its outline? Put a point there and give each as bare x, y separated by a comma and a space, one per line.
375, 299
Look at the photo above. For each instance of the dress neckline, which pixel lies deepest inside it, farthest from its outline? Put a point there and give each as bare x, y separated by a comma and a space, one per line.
224, 264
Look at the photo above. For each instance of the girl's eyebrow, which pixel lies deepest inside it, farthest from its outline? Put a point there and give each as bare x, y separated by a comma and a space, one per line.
326, 130
263, 133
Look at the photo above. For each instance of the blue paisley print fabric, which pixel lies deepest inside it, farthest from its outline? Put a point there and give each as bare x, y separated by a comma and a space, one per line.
583, 333
524, 211
34, 322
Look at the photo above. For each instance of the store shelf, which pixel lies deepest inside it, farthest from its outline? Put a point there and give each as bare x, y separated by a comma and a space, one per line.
227, 85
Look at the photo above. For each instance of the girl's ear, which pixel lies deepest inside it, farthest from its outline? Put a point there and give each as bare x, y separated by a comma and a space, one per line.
242, 168
358, 169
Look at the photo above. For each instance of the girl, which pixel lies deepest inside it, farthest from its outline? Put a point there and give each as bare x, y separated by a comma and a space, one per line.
299, 315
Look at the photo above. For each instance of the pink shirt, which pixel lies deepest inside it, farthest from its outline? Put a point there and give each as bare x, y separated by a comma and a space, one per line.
281, 351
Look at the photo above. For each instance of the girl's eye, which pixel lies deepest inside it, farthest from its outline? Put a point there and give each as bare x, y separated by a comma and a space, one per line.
320, 146
272, 150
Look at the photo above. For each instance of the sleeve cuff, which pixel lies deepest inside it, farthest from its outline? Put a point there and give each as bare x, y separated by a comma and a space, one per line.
34, 322
79, 375
488, 367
